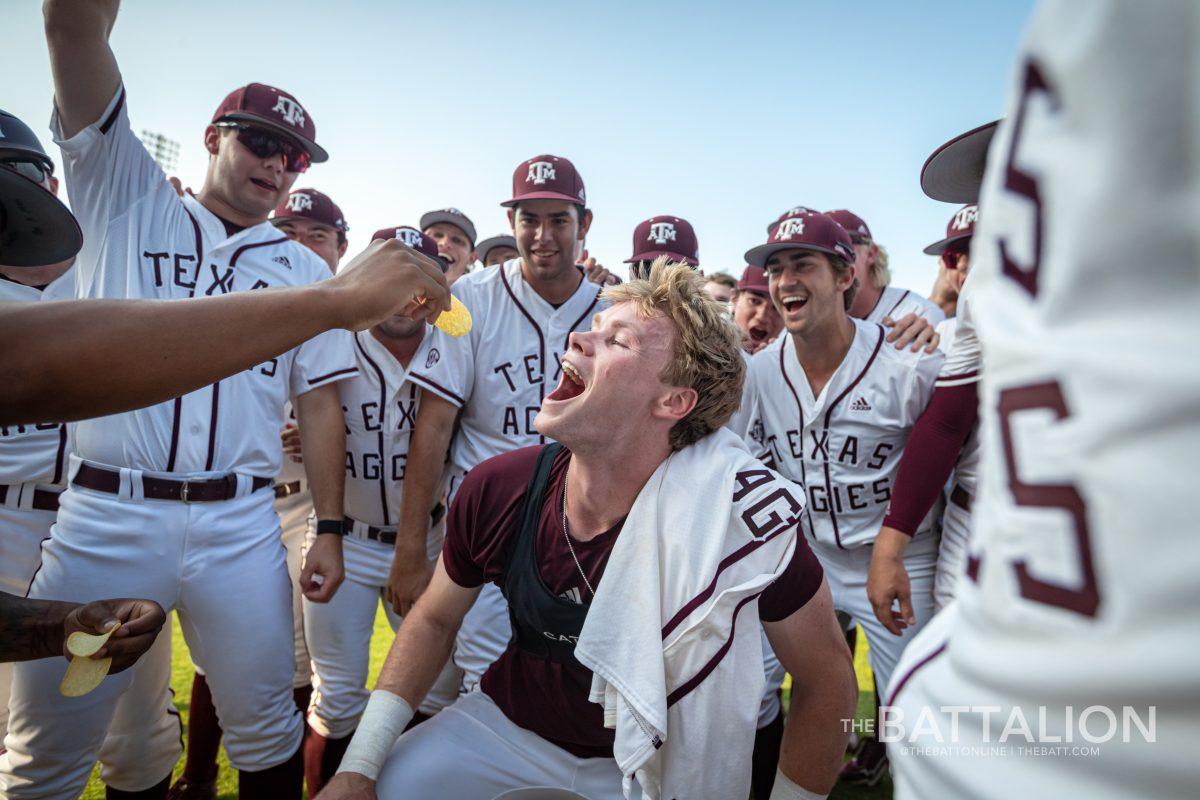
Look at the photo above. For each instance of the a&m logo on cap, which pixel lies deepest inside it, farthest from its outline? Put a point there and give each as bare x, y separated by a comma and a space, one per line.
300, 202
662, 232
291, 111
790, 227
540, 172
410, 236
965, 218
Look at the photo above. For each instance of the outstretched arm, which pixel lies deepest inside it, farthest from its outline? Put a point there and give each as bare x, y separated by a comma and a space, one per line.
84, 67
90, 358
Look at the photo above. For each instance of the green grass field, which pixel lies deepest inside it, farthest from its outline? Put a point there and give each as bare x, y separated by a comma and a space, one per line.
181, 682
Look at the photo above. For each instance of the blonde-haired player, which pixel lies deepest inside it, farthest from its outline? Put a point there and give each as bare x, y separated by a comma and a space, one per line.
643, 394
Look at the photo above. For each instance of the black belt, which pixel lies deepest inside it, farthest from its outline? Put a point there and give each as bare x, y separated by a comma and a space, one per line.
287, 489
961, 497
205, 490
42, 500
376, 534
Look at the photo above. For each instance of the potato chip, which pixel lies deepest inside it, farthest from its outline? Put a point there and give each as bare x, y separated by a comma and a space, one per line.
81, 643
456, 321
83, 675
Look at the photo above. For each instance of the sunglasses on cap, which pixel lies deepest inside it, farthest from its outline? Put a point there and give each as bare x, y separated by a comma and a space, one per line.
35, 171
858, 238
267, 145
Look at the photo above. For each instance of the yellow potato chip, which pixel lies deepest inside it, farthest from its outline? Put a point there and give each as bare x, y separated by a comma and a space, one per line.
456, 321
83, 675
80, 643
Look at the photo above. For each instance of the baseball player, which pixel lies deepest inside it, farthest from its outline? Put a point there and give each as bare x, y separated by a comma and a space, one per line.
315, 221
496, 250
835, 407
380, 409
720, 287
454, 234
32, 475
170, 502
663, 235
1080, 600
493, 379
562, 515
753, 312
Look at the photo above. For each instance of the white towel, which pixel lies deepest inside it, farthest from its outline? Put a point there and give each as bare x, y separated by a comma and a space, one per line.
672, 635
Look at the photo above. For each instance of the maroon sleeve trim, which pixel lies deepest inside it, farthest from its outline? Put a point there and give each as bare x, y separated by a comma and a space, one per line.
434, 386
920, 664
690, 685
348, 371
112, 117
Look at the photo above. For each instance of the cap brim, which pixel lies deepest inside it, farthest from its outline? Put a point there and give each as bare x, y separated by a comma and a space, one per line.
757, 256
315, 151
36, 229
954, 172
541, 196
937, 248
434, 217
650, 255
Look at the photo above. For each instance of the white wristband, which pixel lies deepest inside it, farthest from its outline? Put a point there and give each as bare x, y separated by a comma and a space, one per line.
787, 789
384, 719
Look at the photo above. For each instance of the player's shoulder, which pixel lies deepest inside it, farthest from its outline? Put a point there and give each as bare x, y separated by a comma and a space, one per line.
501, 477
480, 283
872, 335
307, 265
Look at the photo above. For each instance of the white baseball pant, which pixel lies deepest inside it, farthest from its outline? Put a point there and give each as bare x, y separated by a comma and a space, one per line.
339, 636
471, 751
846, 571
222, 566
295, 512
952, 552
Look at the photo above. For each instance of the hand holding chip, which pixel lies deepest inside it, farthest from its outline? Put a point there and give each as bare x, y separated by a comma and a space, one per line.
107, 636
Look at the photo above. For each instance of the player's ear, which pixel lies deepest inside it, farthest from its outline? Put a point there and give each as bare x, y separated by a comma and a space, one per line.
676, 403
212, 139
342, 245
512, 220
585, 222
53, 185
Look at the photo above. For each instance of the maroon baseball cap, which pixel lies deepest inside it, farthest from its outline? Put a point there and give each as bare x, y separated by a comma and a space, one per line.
275, 110
453, 217
413, 238
852, 222
791, 212
672, 237
960, 227
311, 205
547, 178
754, 279
954, 172
806, 231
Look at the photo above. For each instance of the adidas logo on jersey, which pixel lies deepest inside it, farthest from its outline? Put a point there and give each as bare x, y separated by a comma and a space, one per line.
282, 260
572, 595
860, 404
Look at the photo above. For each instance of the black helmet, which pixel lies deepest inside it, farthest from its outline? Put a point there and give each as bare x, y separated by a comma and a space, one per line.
16, 139
35, 228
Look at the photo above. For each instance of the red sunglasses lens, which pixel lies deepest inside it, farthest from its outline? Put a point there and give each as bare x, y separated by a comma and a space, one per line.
264, 145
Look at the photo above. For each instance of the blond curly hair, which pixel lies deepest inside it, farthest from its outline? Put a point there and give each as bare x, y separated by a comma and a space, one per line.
705, 351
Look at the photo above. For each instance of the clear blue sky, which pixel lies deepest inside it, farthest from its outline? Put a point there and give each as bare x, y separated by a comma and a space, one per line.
722, 113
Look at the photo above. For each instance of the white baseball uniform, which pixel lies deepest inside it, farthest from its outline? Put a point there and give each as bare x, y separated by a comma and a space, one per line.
897, 303
381, 405
497, 374
1080, 611
962, 366
219, 563
843, 447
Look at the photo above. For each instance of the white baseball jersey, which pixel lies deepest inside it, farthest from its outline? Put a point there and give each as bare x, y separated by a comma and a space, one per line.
499, 372
141, 240
35, 452
1082, 591
380, 405
897, 303
842, 446
962, 366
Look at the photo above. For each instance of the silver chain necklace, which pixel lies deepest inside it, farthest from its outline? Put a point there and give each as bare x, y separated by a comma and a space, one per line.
567, 535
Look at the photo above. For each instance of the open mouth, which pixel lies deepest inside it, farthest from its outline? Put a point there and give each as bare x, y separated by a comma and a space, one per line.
570, 386
264, 184
757, 334
793, 302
